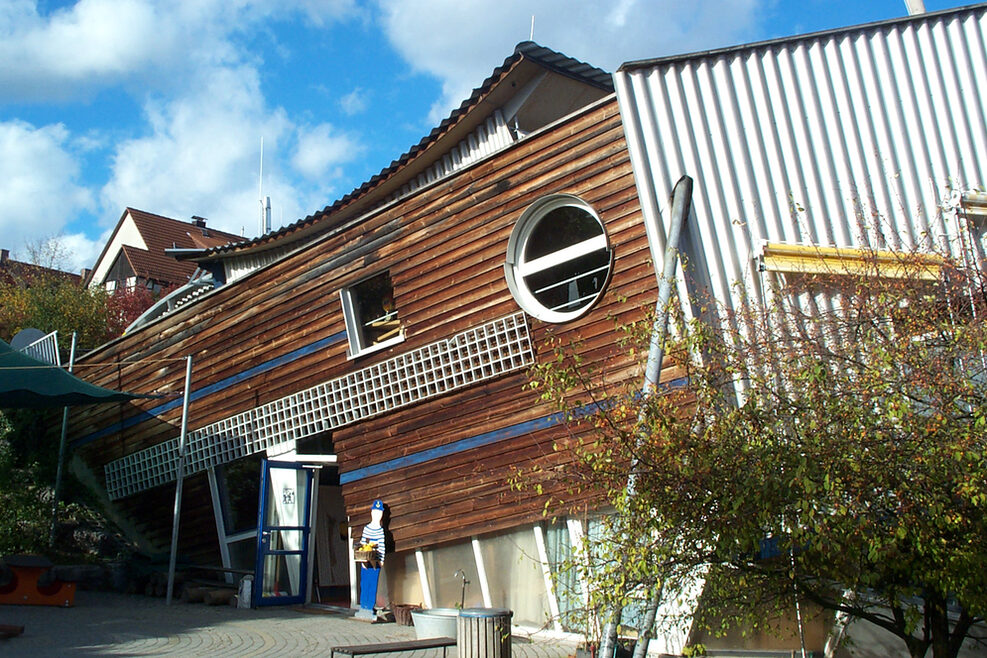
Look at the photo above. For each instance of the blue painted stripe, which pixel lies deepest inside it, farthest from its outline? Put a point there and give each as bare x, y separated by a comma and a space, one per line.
463, 445
221, 385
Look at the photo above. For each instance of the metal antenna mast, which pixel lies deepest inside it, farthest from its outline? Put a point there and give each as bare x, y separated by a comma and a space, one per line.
260, 187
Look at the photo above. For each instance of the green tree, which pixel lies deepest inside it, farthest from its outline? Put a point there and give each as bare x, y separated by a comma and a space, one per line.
40, 295
829, 448
53, 303
23, 510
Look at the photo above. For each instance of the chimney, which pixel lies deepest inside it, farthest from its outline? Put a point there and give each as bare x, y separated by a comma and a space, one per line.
199, 222
4, 255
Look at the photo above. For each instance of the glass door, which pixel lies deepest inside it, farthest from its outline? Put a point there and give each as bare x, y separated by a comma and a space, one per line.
283, 533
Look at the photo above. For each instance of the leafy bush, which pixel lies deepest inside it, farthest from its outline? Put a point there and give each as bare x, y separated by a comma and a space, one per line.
24, 504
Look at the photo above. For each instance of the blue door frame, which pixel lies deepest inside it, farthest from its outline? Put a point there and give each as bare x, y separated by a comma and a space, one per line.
275, 560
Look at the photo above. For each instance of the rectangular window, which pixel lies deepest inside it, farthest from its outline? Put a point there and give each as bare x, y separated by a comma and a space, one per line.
371, 318
239, 485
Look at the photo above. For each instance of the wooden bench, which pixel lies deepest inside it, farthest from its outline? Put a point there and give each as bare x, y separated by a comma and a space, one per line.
394, 647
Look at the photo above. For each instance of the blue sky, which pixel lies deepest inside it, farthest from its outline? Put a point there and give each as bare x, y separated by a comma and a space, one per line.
162, 104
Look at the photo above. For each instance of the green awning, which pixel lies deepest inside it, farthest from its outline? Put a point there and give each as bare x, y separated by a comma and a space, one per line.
26, 382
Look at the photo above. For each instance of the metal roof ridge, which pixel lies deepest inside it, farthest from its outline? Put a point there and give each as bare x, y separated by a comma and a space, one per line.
809, 36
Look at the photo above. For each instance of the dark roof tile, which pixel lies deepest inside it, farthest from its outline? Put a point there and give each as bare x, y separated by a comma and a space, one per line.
528, 50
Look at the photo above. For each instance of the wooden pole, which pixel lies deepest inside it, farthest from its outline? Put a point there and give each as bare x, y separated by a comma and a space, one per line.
181, 478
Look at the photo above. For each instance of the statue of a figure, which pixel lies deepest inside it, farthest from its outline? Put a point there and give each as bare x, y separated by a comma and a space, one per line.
372, 535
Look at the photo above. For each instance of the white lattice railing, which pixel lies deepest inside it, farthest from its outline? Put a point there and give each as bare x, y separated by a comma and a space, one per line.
481, 353
45, 349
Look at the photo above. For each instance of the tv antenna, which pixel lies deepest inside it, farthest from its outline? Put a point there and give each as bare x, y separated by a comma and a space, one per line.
265, 203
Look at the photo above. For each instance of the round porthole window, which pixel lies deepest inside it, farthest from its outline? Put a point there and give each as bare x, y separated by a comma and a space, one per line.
558, 259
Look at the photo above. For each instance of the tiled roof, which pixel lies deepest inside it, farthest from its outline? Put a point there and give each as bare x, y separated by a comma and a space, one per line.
526, 50
157, 266
160, 233
17, 272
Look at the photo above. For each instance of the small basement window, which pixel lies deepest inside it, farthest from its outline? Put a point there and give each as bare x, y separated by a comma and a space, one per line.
371, 318
558, 259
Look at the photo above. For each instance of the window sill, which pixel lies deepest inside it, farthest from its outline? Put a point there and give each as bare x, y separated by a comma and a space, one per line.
383, 345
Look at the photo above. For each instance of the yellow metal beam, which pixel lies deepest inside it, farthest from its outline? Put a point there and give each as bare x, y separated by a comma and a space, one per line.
815, 259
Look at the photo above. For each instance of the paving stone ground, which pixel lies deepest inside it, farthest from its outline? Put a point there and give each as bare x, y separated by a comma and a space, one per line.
107, 624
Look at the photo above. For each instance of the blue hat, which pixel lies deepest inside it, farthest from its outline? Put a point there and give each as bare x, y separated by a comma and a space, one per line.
378, 504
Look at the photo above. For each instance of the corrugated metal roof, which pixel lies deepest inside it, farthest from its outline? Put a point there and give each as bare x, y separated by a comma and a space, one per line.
789, 40
851, 137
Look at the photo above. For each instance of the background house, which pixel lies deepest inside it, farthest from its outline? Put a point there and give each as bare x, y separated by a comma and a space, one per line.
14, 272
134, 256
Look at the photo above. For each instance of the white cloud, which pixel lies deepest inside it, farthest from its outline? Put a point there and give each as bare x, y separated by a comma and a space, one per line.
94, 44
319, 149
321, 12
194, 146
82, 251
202, 157
354, 102
467, 39
39, 190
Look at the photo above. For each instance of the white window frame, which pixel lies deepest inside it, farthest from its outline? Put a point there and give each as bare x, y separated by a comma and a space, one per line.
352, 319
516, 267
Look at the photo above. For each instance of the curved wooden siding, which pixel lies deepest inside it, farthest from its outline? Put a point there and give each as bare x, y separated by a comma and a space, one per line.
445, 249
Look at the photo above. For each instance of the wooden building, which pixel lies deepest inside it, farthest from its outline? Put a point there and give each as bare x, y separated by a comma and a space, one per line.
383, 343
387, 337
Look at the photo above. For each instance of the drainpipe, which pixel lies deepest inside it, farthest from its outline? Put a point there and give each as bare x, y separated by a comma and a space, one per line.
681, 203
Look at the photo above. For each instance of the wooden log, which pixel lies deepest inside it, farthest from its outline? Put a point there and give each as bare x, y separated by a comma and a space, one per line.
219, 596
194, 593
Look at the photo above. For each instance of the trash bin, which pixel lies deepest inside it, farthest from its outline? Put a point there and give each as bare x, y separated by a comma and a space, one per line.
484, 633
